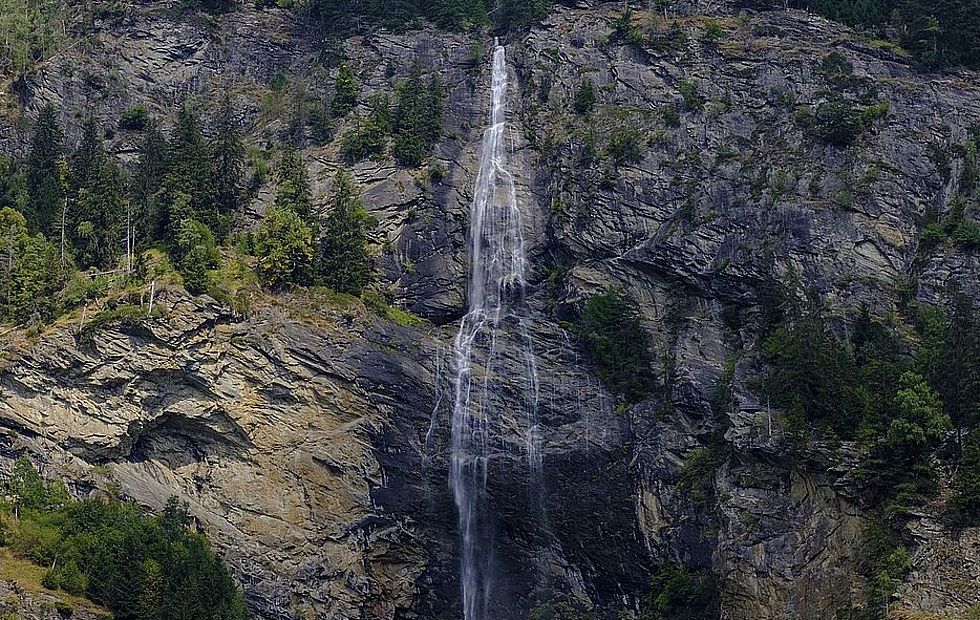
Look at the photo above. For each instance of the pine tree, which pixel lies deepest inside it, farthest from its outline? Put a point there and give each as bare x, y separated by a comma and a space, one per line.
294, 186
46, 194
417, 122
343, 262
346, 90
98, 201
284, 247
189, 173
148, 178
229, 160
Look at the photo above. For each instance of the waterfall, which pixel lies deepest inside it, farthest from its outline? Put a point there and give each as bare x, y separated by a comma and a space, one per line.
497, 319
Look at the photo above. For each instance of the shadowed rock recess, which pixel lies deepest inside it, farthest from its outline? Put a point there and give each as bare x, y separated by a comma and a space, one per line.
311, 437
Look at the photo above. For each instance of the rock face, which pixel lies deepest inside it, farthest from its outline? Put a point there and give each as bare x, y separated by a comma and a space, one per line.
310, 437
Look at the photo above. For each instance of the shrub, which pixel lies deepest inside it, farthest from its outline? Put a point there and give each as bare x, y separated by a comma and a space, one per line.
134, 118
681, 594
689, 93
625, 145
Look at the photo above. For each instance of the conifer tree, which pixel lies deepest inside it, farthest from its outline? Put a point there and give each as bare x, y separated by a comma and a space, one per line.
294, 185
97, 207
346, 90
284, 247
343, 262
148, 178
229, 160
45, 189
190, 173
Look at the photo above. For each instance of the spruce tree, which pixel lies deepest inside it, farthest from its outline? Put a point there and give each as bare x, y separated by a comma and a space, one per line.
97, 207
229, 160
343, 262
148, 178
284, 247
45, 186
346, 90
189, 173
294, 185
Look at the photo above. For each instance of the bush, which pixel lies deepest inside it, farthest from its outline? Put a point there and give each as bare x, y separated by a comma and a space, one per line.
681, 594
618, 345
690, 95
134, 118
625, 145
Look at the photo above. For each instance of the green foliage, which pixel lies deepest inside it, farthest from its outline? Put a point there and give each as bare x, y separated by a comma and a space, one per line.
346, 90
31, 32
228, 157
141, 567
369, 136
46, 174
195, 254
134, 118
966, 482
690, 95
29, 271
284, 247
294, 192
840, 122
342, 259
680, 594
96, 202
812, 376
585, 98
417, 122
936, 32
618, 344
189, 175
626, 144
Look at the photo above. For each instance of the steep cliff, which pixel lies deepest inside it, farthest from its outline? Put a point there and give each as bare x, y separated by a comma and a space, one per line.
310, 435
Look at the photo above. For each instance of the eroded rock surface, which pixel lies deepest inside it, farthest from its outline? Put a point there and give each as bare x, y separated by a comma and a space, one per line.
310, 438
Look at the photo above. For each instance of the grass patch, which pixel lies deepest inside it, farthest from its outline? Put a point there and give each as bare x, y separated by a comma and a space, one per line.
28, 576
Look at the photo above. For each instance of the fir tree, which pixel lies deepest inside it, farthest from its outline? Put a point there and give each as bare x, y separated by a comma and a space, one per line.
229, 160
45, 187
98, 203
343, 262
189, 173
294, 185
346, 90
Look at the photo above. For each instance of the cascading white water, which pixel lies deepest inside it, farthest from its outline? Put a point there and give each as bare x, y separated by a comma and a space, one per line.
496, 311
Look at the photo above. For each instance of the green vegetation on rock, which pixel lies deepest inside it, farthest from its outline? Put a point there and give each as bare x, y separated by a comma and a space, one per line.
139, 566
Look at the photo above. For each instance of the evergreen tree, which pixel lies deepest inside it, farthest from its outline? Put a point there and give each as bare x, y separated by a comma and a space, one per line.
229, 160
284, 247
97, 211
346, 90
147, 180
196, 253
29, 271
45, 178
417, 122
294, 186
189, 173
369, 137
618, 345
343, 262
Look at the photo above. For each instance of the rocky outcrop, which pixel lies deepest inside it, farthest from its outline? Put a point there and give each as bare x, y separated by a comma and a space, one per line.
310, 437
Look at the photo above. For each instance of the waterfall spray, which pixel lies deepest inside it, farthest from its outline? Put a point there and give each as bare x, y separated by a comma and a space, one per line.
496, 309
